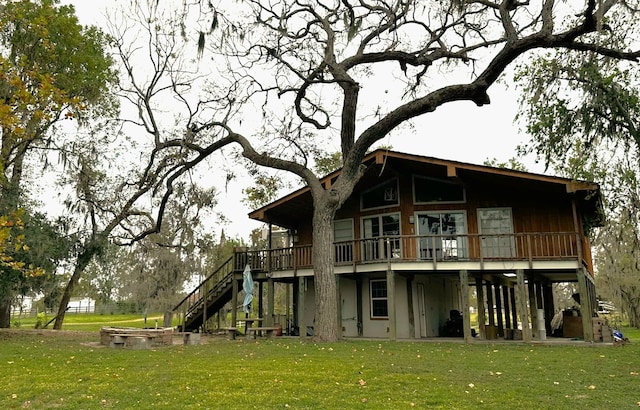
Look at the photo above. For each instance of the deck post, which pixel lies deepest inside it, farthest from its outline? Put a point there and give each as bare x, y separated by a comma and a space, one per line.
549, 307
586, 310
481, 312
302, 323
514, 307
261, 299
287, 304
205, 302
507, 306
464, 299
234, 302
522, 298
412, 320
490, 310
339, 307
533, 307
359, 302
391, 304
270, 302
499, 322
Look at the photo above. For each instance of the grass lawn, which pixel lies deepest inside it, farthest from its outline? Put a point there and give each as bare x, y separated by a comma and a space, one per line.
44, 369
93, 322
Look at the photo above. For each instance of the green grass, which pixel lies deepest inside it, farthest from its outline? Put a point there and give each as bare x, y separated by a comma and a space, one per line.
93, 322
48, 369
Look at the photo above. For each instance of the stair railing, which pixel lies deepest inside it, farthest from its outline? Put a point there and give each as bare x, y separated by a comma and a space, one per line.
196, 299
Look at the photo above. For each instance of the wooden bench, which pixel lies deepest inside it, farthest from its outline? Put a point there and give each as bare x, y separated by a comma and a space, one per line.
267, 331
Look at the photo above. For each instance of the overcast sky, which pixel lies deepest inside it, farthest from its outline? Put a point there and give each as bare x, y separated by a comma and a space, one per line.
458, 131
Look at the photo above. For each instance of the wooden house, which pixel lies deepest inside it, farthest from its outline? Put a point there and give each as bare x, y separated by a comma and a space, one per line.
419, 239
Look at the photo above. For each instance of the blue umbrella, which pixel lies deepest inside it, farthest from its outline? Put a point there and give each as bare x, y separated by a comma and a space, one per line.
247, 286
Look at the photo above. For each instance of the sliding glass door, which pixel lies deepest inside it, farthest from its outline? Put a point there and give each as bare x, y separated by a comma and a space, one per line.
441, 235
376, 229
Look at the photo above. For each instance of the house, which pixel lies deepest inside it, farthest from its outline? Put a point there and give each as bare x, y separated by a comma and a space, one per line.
422, 241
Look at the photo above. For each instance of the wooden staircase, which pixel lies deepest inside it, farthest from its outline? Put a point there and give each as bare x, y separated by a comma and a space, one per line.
208, 298
217, 289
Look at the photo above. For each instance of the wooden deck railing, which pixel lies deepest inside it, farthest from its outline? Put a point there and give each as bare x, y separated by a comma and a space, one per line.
517, 247
472, 247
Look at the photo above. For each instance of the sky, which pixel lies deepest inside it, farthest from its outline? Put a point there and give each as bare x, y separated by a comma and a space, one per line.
458, 131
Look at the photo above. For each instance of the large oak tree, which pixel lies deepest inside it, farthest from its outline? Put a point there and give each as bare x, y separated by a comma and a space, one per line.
297, 75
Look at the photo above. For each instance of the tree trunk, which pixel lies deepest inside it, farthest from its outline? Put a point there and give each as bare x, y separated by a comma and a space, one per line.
5, 313
168, 318
81, 263
326, 292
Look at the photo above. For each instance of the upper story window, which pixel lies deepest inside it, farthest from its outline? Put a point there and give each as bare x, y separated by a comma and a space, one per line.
380, 196
429, 190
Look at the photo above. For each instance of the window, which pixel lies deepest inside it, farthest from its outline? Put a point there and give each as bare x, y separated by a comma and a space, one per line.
376, 230
496, 226
385, 194
343, 238
429, 190
442, 235
378, 289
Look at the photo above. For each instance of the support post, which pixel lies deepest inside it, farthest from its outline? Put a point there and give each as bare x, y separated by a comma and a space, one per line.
481, 316
339, 307
533, 307
234, 302
464, 298
585, 305
391, 303
261, 299
507, 306
412, 322
302, 322
270, 302
499, 322
514, 307
524, 313
359, 302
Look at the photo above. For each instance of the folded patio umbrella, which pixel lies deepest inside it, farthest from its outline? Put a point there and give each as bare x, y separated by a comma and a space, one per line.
247, 286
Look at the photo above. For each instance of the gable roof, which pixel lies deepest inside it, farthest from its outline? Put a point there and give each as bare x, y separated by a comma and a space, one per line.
296, 207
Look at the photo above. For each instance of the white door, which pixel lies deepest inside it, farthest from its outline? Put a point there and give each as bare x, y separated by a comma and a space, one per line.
497, 224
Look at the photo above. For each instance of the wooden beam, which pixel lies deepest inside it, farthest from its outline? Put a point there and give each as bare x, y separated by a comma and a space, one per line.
412, 321
499, 323
586, 310
481, 316
507, 306
391, 304
234, 302
464, 298
270, 302
302, 323
533, 308
521, 295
